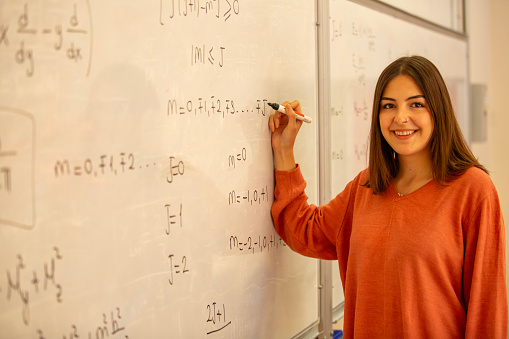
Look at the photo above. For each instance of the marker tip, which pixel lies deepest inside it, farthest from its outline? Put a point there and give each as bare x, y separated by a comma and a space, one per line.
273, 105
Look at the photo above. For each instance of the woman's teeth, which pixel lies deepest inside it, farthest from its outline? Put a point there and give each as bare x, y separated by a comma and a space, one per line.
403, 133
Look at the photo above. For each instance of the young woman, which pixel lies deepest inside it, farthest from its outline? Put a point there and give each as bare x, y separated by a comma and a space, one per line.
419, 235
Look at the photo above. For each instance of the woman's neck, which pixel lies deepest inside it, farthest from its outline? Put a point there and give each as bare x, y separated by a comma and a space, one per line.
413, 173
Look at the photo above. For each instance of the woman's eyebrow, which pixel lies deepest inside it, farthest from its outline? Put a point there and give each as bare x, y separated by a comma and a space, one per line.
410, 98
416, 96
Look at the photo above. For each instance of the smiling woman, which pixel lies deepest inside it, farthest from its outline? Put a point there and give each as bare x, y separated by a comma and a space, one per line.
404, 116
411, 95
407, 126
419, 235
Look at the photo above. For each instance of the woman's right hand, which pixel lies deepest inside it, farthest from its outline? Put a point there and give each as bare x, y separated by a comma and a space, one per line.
284, 128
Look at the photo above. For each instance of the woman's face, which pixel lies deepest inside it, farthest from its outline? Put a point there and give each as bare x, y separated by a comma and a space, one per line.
405, 119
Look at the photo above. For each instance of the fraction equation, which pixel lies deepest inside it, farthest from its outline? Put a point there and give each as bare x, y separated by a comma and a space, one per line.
336, 29
170, 10
68, 33
110, 326
6, 170
361, 109
23, 280
256, 244
17, 168
366, 32
213, 107
359, 68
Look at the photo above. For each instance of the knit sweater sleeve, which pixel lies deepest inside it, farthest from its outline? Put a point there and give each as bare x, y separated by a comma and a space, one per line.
307, 229
484, 280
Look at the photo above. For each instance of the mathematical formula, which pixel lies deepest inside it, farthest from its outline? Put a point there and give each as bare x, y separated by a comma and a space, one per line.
356, 30
216, 317
6, 170
62, 33
213, 106
114, 164
359, 151
223, 10
252, 196
207, 55
24, 281
177, 266
173, 217
24, 40
109, 326
256, 244
236, 159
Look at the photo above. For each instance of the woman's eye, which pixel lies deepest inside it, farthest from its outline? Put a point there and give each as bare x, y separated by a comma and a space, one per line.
417, 104
387, 106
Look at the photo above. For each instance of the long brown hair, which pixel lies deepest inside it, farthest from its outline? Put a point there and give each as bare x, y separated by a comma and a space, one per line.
450, 154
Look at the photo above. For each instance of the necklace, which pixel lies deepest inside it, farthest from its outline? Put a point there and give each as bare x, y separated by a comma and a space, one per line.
400, 194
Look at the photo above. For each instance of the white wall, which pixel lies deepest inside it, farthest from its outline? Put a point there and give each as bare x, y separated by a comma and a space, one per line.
479, 37
488, 31
500, 109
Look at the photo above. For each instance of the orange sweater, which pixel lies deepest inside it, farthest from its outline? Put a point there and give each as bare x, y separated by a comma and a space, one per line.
430, 264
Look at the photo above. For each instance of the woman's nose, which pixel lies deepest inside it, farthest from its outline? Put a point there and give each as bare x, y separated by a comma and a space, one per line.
401, 116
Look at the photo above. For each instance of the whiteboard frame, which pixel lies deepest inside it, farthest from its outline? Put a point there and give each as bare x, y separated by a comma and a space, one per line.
323, 327
324, 170
414, 19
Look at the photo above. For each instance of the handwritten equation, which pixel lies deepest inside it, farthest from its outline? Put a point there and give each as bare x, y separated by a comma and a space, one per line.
24, 281
359, 67
362, 109
109, 326
217, 317
356, 30
105, 164
213, 107
251, 196
359, 151
17, 157
336, 29
217, 9
207, 55
238, 158
115, 164
27, 41
337, 111
173, 217
337, 155
6, 170
177, 266
256, 244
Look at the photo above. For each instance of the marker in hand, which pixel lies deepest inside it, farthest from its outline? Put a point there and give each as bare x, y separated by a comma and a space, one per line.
281, 108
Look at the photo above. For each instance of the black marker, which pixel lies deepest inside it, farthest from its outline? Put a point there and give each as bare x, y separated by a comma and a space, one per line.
281, 108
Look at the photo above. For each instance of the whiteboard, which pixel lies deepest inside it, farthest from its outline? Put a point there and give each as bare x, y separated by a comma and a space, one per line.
136, 172
448, 13
362, 43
